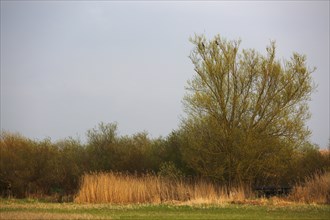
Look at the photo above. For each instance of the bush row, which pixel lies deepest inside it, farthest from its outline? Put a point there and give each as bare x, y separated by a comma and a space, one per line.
42, 167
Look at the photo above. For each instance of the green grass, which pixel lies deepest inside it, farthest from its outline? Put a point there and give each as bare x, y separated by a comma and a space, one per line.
40, 210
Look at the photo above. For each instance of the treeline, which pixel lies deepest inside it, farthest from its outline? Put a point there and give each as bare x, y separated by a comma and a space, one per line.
42, 167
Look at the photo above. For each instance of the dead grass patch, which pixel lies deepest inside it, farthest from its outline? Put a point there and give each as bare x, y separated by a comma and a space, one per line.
42, 215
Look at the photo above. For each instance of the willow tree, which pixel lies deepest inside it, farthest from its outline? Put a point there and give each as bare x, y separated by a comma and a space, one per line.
246, 111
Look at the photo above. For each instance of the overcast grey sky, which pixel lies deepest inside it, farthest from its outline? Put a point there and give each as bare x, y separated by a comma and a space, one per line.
66, 66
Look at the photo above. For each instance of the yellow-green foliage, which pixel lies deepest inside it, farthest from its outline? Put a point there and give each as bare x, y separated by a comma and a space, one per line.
119, 188
246, 111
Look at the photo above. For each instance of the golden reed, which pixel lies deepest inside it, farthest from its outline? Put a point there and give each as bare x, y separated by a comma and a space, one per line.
117, 188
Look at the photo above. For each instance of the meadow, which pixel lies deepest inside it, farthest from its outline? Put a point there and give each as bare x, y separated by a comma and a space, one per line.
266, 209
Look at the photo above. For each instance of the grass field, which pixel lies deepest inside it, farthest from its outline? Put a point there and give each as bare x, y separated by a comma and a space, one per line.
32, 209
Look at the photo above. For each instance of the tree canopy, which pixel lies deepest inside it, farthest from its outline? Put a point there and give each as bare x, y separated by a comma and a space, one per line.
246, 111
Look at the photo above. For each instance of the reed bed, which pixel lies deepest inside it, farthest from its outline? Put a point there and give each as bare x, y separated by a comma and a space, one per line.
316, 189
117, 188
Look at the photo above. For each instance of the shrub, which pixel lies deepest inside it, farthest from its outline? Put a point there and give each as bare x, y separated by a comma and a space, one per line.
169, 170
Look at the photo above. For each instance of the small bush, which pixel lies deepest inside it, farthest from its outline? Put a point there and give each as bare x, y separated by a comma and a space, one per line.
169, 170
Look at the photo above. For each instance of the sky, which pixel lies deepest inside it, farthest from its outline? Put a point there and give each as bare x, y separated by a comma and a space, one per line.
67, 66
